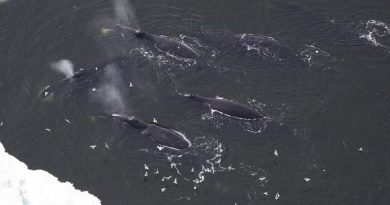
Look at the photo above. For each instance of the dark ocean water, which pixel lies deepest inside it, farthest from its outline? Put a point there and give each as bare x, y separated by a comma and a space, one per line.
319, 71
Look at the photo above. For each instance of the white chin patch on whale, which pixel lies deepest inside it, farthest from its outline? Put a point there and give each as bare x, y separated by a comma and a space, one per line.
64, 67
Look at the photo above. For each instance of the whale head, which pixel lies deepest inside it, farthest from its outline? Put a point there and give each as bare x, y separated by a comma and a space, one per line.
132, 121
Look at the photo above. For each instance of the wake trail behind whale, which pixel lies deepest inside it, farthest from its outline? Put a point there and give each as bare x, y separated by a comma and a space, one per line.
64, 67
125, 14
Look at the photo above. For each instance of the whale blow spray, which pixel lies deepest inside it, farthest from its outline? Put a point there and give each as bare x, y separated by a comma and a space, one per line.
109, 94
124, 13
64, 67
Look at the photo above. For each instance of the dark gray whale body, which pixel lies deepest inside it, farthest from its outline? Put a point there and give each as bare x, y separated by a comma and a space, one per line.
163, 43
227, 107
83, 79
161, 135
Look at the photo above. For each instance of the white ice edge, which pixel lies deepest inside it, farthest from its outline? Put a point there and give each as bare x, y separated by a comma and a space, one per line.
22, 186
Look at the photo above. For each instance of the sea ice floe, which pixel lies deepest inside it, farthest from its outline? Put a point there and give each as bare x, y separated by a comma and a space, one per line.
22, 186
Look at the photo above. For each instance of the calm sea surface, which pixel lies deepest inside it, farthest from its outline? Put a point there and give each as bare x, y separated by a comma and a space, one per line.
318, 70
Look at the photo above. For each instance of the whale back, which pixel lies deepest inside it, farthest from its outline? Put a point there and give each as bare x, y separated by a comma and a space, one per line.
163, 43
227, 107
167, 137
159, 134
145, 36
136, 123
174, 47
234, 109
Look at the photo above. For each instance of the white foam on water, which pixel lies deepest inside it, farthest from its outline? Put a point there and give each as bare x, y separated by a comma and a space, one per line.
312, 54
374, 29
254, 43
22, 186
370, 36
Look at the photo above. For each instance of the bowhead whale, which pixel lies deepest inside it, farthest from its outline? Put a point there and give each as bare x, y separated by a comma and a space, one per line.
84, 78
161, 135
163, 43
50, 89
227, 107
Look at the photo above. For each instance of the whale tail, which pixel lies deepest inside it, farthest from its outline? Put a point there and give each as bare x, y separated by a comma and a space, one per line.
136, 123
